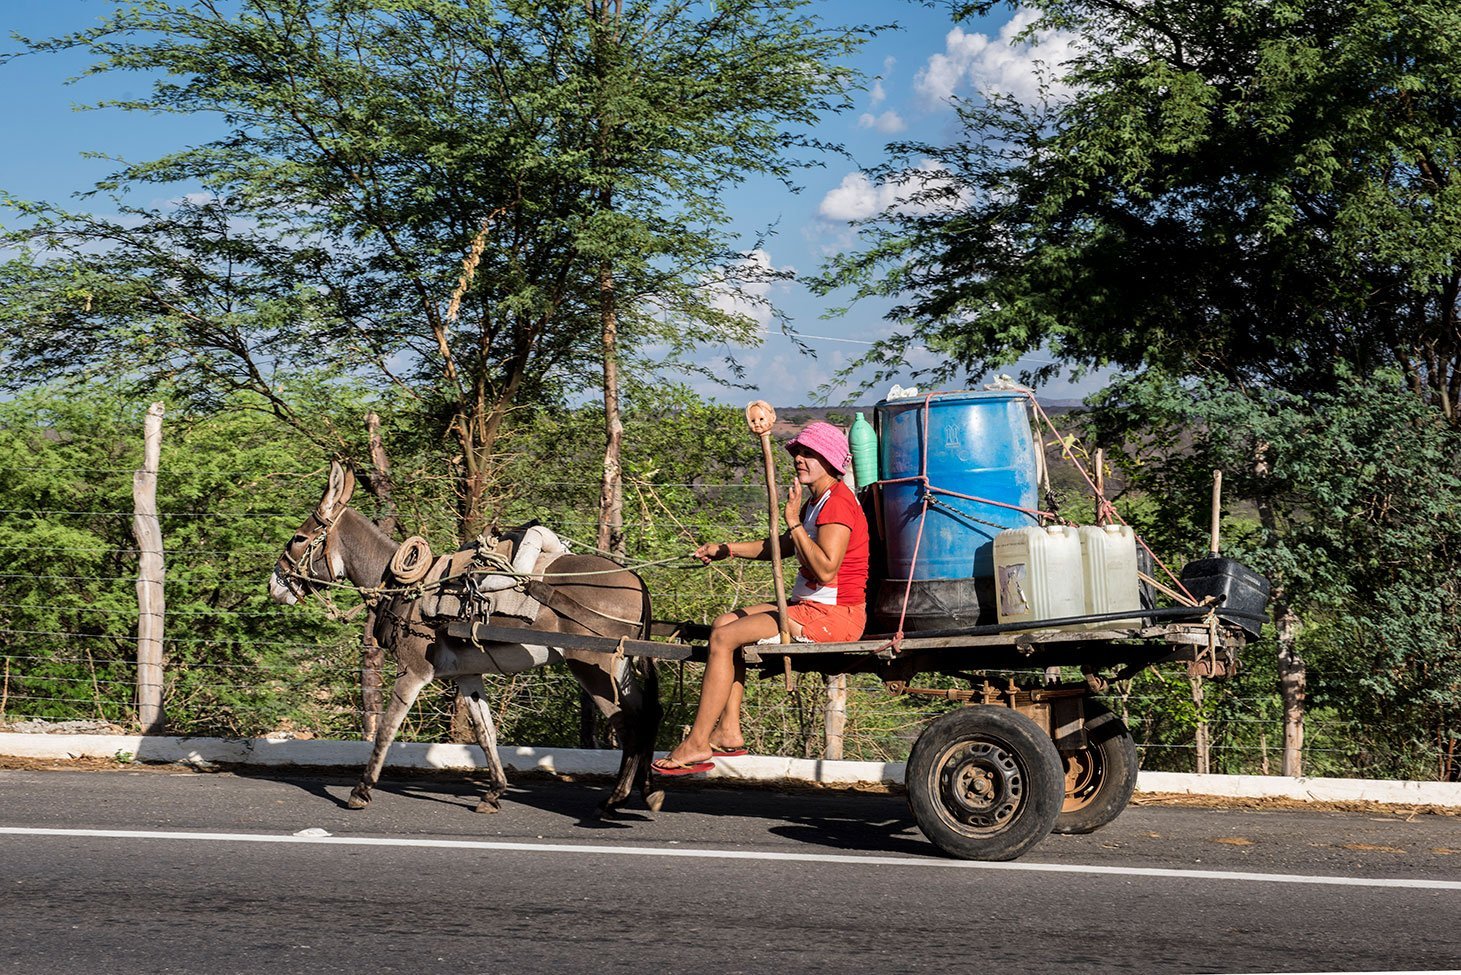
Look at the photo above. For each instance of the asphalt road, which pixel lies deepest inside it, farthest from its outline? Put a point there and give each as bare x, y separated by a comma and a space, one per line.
722, 880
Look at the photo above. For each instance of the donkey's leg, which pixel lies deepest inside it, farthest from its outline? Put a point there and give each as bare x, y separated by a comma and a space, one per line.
403, 694
610, 681
470, 689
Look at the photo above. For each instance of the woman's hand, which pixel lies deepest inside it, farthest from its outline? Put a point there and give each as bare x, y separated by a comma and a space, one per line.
713, 552
794, 505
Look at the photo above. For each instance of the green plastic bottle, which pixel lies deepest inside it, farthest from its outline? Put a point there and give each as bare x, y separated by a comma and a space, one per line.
864, 442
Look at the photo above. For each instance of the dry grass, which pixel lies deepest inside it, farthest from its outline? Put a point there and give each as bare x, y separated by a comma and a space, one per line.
1279, 803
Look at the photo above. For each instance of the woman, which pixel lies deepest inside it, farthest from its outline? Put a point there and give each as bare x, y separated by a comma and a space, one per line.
829, 537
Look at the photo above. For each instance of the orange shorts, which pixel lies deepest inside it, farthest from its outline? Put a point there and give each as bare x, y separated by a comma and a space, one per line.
824, 623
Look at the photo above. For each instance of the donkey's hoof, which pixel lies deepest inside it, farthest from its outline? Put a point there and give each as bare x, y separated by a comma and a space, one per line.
489, 804
655, 800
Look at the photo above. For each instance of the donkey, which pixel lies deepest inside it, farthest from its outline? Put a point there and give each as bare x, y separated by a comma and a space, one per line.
337, 544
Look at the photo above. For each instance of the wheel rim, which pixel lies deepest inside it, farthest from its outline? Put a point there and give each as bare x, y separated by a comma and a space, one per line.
1084, 772
980, 784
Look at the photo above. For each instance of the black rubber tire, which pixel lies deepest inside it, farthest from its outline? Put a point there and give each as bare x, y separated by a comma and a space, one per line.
985, 783
1100, 778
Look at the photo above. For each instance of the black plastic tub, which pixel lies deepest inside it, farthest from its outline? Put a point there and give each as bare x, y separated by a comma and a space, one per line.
1242, 593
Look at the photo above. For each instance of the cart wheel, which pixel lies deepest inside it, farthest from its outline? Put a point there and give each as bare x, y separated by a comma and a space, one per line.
1099, 778
984, 783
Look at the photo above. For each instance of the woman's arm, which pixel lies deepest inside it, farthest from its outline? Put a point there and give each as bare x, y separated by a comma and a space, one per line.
821, 557
759, 549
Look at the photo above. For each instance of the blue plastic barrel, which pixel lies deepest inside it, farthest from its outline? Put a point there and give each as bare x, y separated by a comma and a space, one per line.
979, 444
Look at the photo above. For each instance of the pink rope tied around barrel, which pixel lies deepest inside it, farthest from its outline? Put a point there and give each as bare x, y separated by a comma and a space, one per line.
1104, 509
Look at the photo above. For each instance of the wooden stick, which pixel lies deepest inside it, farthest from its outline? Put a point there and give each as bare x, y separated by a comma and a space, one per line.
1171, 594
760, 416
1217, 501
1100, 486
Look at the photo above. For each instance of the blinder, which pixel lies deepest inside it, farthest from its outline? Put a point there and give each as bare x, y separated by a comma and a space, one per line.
300, 573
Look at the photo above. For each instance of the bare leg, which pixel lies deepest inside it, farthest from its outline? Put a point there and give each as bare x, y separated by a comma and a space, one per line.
728, 732
470, 689
720, 680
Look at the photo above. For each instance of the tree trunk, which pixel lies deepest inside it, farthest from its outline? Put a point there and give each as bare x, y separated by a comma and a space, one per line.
1292, 677
611, 488
477, 430
372, 658
1204, 764
462, 731
372, 664
380, 482
1292, 672
151, 606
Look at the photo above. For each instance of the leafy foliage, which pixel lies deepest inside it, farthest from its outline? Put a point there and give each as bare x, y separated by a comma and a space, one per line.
1349, 504
229, 489
371, 147
1258, 190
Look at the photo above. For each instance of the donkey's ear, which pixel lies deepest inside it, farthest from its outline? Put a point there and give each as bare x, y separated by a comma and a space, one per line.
337, 495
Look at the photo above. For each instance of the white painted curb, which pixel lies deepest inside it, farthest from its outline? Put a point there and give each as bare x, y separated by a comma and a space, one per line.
749, 768
1302, 788
418, 755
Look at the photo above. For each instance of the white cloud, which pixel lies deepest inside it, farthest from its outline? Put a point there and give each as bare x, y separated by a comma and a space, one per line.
744, 288
857, 197
887, 122
976, 62
878, 94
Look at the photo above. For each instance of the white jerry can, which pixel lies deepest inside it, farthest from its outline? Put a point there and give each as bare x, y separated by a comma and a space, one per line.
1037, 574
1108, 571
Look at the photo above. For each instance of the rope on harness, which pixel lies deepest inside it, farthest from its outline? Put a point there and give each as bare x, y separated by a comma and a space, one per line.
687, 561
412, 560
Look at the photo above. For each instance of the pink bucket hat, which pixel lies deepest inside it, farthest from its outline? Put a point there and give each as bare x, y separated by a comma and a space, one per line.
829, 443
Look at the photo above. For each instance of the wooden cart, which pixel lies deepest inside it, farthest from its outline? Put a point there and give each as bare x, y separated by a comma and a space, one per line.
1019, 758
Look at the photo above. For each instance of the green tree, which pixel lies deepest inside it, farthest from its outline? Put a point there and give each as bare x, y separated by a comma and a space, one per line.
1257, 189
576, 153
1347, 500
1245, 206
231, 490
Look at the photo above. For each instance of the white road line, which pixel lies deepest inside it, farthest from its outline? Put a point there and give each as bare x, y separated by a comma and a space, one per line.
658, 851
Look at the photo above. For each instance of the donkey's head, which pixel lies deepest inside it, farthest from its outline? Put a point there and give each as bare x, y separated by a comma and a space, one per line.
310, 558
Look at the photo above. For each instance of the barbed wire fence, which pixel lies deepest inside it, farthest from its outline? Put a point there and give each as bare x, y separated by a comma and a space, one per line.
237, 665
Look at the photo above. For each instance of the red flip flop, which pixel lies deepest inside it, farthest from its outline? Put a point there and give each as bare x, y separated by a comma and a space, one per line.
663, 766
729, 752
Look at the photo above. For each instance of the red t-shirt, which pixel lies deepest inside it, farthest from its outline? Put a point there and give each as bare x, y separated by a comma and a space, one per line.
837, 507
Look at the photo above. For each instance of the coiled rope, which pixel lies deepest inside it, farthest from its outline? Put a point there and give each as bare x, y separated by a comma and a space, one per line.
412, 560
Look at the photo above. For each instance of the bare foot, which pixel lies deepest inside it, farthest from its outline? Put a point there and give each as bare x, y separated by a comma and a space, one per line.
681, 755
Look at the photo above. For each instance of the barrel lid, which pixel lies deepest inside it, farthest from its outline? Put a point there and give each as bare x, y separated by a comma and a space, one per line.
953, 396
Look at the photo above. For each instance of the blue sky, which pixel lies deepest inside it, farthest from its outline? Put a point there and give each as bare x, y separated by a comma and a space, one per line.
917, 68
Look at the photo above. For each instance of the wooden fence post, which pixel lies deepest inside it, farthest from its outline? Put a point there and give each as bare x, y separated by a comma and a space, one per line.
1292, 676
150, 603
836, 716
